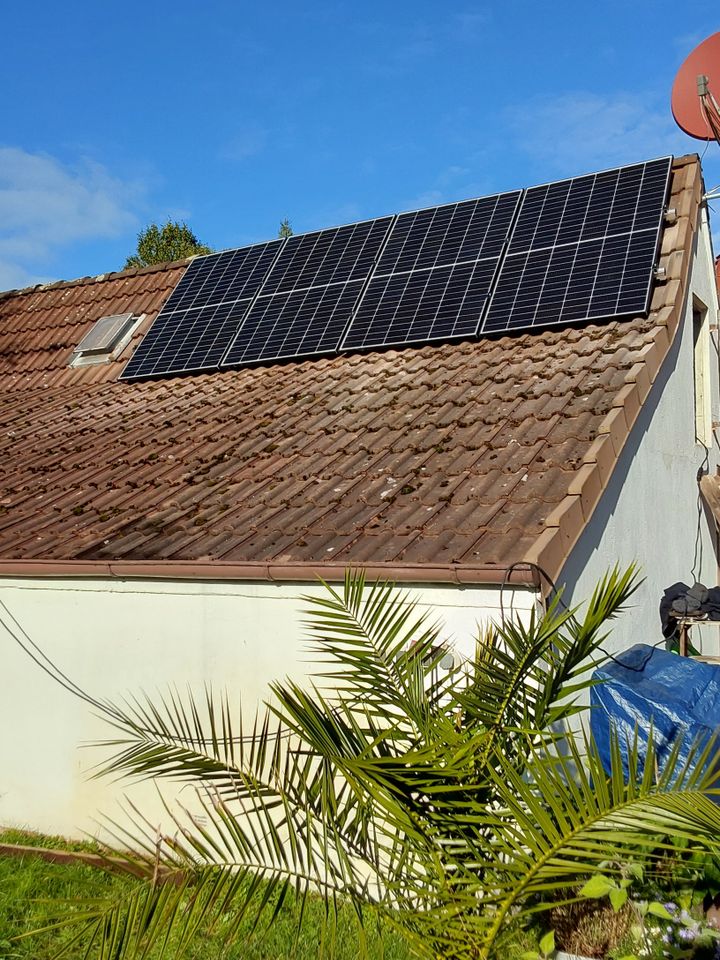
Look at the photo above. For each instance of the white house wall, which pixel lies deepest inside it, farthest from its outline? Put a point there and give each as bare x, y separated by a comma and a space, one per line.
114, 638
651, 512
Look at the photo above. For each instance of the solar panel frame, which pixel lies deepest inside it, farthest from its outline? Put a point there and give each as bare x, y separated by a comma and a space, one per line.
433, 326
646, 220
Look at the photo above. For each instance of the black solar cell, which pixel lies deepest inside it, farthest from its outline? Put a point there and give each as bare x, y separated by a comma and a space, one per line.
310, 293
421, 306
328, 256
455, 233
232, 275
186, 341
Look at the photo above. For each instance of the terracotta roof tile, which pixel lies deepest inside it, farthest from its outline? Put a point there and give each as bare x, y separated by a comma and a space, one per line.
449, 458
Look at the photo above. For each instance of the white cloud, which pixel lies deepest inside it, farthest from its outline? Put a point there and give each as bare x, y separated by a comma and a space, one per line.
580, 132
453, 183
468, 26
46, 206
247, 143
13, 277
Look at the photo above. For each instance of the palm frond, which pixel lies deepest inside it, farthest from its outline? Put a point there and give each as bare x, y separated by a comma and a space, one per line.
375, 648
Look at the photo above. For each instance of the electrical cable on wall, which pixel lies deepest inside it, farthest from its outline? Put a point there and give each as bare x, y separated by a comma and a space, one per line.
48, 666
698, 554
542, 574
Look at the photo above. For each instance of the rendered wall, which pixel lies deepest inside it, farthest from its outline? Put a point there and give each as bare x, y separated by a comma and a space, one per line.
650, 511
117, 637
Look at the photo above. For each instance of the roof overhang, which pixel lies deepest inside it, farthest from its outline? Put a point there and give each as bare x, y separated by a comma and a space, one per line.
522, 574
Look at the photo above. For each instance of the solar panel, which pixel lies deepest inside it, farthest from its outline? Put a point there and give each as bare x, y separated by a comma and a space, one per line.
200, 318
295, 324
336, 255
309, 294
220, 277
582, 249
435, 274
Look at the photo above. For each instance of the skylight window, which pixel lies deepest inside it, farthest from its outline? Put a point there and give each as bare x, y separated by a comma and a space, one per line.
105, 339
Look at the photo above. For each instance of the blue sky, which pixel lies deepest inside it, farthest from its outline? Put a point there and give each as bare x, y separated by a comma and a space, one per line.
233, 116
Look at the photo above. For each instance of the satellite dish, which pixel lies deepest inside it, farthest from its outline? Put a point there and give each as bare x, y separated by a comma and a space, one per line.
696, 91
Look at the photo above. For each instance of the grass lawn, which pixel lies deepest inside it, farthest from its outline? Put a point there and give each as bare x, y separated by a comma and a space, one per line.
24, 882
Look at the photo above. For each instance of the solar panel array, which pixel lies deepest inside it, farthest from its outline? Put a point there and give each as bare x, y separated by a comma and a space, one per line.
573, 250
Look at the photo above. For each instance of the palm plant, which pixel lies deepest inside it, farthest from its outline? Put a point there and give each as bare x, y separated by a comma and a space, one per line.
455, 804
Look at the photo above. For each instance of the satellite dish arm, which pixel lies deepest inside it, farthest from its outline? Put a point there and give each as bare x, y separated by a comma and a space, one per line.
709, 105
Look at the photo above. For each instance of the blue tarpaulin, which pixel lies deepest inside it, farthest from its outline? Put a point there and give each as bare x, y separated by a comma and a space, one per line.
646, 687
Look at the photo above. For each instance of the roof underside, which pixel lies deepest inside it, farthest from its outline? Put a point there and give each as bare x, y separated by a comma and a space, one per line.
428, 463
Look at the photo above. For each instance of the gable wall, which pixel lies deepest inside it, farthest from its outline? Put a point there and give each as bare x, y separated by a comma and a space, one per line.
115, 637
650, 511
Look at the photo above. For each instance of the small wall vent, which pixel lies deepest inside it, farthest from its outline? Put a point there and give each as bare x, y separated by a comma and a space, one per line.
106, 338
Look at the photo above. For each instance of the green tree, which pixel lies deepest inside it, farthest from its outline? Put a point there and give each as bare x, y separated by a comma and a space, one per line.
448, 802
285, 229
173, 241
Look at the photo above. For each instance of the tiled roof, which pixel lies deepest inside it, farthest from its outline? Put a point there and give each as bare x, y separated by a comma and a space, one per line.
446, 462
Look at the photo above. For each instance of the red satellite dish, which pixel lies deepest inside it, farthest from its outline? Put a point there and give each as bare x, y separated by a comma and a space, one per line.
696, 91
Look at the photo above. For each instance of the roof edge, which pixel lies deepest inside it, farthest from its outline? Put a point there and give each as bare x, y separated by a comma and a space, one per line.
98, 278
566, 522
522, 575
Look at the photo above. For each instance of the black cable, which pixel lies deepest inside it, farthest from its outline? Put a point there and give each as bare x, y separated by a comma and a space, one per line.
506, 577
49, 667
701, 471
544, 575
37, 655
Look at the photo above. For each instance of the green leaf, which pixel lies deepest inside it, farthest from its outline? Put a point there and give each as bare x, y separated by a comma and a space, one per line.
618, 899
658, 910
452, 806
174, 240
597, 886
547, 942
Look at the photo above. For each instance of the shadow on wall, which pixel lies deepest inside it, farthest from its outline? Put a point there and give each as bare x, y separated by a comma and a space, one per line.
580, 562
